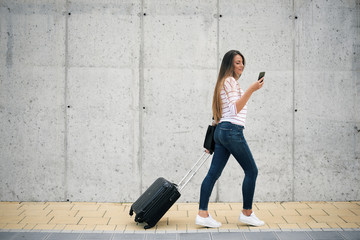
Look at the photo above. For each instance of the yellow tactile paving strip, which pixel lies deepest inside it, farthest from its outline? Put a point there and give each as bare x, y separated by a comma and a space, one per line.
83, 216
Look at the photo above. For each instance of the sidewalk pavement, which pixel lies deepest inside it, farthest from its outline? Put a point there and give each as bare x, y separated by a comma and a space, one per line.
96, 217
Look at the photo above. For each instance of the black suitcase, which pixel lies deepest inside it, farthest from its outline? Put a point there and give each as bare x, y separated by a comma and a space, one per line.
151, 206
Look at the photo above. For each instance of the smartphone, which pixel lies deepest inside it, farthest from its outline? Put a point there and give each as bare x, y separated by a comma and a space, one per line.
261, 75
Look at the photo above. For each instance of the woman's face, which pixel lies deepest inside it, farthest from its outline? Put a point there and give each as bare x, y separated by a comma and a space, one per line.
238, 66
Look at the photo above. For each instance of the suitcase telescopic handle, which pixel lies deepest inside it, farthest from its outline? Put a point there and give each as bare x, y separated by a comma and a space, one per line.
192, 172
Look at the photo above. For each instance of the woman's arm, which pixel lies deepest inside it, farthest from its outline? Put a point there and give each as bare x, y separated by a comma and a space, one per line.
241, 102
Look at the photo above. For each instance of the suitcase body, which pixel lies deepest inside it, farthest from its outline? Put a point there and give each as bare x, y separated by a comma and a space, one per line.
160, 196
155, 202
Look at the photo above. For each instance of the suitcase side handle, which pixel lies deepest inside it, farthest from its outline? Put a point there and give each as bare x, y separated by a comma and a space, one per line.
188, 177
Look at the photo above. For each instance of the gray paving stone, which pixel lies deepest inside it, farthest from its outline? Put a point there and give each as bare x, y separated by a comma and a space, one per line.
320, 235
293, 235
271, 235
166, 236
260, 236
96, 236
194, 236
228, 236
64, 236
128, 236
30, 236
7, 235
354, 235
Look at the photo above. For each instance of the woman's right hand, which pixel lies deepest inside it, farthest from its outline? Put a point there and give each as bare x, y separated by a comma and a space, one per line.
257, 85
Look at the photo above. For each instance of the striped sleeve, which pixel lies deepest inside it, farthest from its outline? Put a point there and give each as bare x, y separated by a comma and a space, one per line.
232, 92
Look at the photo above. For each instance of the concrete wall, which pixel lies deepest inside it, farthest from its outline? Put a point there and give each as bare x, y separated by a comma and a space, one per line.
99, 98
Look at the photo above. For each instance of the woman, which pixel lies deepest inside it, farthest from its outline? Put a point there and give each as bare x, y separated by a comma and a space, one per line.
229, 111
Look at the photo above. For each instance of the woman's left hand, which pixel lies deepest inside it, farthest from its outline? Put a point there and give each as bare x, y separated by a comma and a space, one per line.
257, 85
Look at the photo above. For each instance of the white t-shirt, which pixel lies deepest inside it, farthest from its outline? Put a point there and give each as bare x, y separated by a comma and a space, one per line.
229, 95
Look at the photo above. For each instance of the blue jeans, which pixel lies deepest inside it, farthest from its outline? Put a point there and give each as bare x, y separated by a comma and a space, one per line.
229, 139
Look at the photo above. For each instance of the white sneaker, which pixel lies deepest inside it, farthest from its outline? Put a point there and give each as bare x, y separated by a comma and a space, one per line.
251, 220
207, 222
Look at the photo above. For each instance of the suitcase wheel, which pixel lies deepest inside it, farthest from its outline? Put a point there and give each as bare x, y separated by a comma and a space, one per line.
147, 227
131, 212
138, 219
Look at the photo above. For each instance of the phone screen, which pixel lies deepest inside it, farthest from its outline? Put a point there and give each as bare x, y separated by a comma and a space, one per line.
261, 75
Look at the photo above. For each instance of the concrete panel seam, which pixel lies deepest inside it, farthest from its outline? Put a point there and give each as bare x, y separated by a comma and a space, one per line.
10, 42
141, 96
217, 67
66, 128
293, 107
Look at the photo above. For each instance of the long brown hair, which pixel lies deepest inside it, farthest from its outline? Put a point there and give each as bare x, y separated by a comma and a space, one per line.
226, 70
